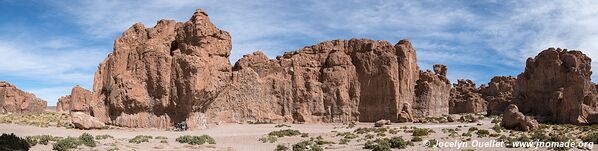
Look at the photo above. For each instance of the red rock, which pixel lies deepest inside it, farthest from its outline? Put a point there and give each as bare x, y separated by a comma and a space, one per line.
80, 100
513, 119
498, 93
13, 100
84, 121
559, 80
432, 93
466, 98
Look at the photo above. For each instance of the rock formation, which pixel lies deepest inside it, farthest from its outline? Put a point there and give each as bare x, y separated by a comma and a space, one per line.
432, 93
513, 119
13, 100
79, 100
466, 98
176, 72
84, 121
498, 93
557, 84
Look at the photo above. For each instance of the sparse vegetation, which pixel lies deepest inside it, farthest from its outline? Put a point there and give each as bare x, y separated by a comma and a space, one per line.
385, 144
416, 139
44, 119
105, 136
66, 144
12, 142
283, 133
40, 139
593, 137
87, 140
140, 139
307, 145
482, 133
282, 125
268, 139
281, 147
196, 140
421, 132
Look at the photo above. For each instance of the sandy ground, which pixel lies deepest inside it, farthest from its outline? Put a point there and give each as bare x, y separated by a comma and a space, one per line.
244, 137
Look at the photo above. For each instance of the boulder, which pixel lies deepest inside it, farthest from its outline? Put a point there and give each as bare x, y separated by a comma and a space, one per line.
498, 93
381, 123
79, 100
432, 93
513, 119
14, 100
180, 71
405, 115
466, 98
84, 121
557, 84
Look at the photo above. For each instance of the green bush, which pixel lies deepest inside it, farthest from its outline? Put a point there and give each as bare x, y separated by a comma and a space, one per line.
591, 138
268, 139
40, 139
87, 140
164, 141
420, 132
344, 141
66, 144
307, 146
282, 125
12, 142
140, 139
196, 140
416, 139
101, 137
468, 134
482, 133
385, 144
281, 147
347, 135
283, 133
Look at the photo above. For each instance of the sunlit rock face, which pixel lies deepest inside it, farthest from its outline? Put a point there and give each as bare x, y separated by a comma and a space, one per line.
556, 84
14, 100
180, 71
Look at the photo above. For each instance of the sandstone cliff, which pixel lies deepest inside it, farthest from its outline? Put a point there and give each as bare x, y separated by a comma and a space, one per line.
466, 98
498, 93
557, 84
175, 72
432, 93
13, 100
79, 100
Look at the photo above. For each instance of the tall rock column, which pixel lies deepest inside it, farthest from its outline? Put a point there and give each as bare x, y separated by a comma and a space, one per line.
80, 100
432, 93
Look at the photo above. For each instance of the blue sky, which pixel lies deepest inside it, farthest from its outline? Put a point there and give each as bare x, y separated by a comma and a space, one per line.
47, 47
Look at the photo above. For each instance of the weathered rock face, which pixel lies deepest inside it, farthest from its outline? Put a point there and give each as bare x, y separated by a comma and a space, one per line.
513, 119
498, 93
334, 81
79, 100
13, 100
559, 80
175, 72
84, 121
432, 93
160, 75
466, 98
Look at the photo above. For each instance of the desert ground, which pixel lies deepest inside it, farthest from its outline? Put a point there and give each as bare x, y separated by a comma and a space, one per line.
329, 136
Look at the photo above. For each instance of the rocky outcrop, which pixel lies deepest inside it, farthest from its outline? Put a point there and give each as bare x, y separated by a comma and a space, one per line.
13, 100
513, 119
176, 72
79, 100
466, 98
432, 93
498, 93
559, 81
84, 121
